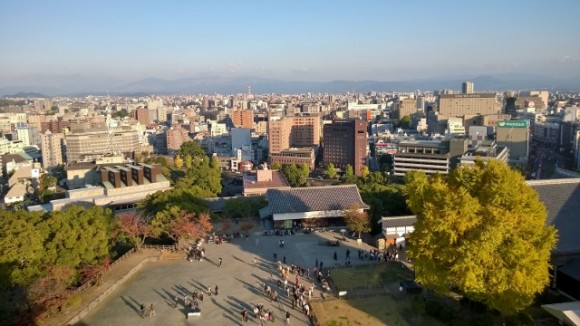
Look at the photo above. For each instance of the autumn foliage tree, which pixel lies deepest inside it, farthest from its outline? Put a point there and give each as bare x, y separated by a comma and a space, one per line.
481, 231
357, 220
179, 225
134, 228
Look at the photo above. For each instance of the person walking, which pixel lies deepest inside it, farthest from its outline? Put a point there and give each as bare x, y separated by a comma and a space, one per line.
216, 290
176, 302
335, 256
209, 291
220, 260
151, 311
287, 317
255, 261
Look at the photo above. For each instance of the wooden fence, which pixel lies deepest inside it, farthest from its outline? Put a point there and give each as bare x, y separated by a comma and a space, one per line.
94, 281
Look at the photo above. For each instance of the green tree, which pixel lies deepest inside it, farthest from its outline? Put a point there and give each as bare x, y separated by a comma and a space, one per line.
349, 176
365, 172
244, 207
188, 161
276, 166
357, 220
186, 199
482, 231
405, 122
331, 171
303, 173
178, 161
191, 148
202, 175
295, 176
76, 236
21, 248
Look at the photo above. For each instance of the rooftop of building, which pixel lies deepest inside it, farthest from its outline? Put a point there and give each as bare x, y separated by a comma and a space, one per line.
398, 221
313, 199
17, 158
473, 95
250, 180
562, 200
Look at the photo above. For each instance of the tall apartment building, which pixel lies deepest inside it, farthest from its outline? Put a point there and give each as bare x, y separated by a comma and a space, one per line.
93, 144
175, 137
141, 115
467, 87
22, 133
457, 105
51, 147
345, 143
243, 118
404, 108
297, 131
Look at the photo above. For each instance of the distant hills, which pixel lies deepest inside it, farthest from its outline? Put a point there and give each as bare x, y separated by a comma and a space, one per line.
27, 95
81, 85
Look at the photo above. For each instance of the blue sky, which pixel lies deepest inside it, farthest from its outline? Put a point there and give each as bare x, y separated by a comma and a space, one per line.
290, 40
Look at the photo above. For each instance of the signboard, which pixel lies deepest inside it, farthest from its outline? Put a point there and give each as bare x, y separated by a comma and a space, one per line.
513, 124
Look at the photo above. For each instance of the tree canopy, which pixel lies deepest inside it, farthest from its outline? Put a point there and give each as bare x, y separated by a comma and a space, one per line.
191, 148
405, 122
357, 220
331, 171
296, 175
482, 231
243, 207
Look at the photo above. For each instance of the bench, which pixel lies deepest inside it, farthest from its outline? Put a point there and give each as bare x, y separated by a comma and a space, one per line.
194, 314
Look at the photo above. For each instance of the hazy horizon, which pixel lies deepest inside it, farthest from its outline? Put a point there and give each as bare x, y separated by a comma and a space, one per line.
124, 41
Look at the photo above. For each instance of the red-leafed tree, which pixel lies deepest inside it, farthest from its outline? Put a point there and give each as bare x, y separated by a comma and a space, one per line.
179, 225
135, 228
49, 292
93, 273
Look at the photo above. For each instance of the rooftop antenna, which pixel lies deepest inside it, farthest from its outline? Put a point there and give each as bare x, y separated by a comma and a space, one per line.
112, 147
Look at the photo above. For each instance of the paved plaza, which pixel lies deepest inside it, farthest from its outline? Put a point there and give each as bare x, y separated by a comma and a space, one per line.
240, 283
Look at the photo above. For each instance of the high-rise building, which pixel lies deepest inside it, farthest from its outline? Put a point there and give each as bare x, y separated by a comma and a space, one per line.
467, 87
345, 143
141, 115
175, 137
404, 108
51, 147
22, 133
297, 131
243, 118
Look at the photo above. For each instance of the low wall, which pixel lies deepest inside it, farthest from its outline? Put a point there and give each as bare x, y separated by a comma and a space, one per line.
567, 173
77, 318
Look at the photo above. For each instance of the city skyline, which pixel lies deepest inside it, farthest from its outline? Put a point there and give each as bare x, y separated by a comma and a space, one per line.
120, 42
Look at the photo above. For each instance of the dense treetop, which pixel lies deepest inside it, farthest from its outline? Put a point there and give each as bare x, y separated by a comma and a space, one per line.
480, 230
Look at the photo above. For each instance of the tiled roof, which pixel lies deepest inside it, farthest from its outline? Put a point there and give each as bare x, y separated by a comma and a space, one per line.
398, 221
311, 199
562, 200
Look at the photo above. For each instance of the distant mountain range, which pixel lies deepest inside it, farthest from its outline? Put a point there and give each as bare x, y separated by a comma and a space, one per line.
80, 85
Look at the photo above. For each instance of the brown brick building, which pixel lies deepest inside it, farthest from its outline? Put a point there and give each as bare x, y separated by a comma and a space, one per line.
345, 142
